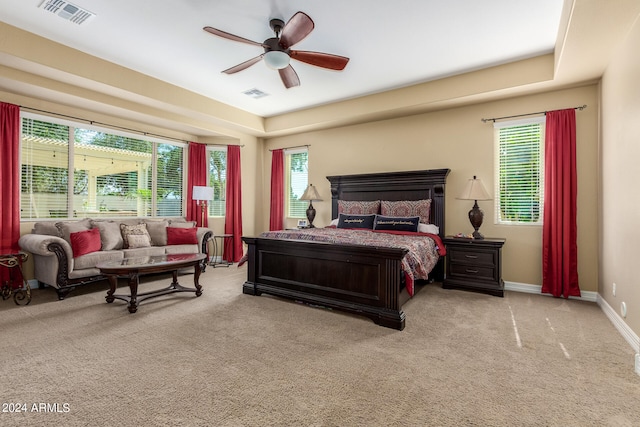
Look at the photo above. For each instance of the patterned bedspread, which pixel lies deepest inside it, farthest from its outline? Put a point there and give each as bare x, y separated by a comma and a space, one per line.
424, 249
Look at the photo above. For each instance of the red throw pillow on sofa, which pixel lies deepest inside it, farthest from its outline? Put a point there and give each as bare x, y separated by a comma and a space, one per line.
85, 242
181, 236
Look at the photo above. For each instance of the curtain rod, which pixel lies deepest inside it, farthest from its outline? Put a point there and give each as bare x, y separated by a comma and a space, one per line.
93, 122
527, 114
291, 148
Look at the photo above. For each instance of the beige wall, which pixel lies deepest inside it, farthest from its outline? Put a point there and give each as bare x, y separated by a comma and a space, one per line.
459, 140
620, 200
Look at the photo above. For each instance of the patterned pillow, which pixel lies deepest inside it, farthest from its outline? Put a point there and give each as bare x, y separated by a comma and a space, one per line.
421, 208
135, 236
352, 207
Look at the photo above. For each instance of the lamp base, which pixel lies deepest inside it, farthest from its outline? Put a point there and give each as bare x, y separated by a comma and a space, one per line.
311, 215
475, 217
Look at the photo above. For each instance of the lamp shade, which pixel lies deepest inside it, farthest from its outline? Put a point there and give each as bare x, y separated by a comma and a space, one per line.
311, 194
474, 190
202, 193
276, 59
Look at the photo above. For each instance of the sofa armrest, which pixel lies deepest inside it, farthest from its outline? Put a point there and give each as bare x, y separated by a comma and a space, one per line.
38, 244
203, 234
43, 247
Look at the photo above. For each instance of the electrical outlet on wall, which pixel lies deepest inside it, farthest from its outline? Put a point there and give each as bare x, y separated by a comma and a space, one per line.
614, 289
638, 363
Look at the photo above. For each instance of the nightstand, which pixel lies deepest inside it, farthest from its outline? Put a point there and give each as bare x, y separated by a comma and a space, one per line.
474, 265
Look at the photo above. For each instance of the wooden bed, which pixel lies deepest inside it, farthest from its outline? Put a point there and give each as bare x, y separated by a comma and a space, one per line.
353, 278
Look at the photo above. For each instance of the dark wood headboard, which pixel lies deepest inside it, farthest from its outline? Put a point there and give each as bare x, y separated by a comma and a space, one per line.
411, 185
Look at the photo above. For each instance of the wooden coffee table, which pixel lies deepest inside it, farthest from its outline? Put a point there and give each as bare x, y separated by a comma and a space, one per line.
133, 268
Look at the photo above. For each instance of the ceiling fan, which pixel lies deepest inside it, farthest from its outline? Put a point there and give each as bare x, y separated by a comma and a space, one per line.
278, 52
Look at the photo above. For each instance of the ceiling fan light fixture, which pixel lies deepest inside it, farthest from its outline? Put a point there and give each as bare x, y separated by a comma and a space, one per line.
276, 59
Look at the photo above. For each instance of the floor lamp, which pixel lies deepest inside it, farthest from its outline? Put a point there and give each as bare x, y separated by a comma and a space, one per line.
202, 195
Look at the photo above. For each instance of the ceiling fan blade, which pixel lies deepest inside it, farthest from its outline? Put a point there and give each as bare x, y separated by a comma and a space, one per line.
298, 27
229, 36
320, 59
289, 77
244, 65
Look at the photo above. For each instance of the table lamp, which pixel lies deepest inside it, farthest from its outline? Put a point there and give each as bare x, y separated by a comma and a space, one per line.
311, 194
475, 191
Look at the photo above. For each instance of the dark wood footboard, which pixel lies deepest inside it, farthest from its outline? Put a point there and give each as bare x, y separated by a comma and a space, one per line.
357, 279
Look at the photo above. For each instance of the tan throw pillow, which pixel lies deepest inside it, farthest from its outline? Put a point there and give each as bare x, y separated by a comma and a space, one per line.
110, 235
68, 227
157, 231
135, 236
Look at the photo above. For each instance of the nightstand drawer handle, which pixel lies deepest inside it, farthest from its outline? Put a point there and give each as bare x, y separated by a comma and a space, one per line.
472, 271
471, 256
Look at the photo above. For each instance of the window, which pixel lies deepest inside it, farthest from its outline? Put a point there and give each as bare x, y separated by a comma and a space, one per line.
113, 174
218, 180
519, 153
296, 181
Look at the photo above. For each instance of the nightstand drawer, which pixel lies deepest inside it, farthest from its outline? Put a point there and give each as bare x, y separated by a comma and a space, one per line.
472, 271
474, 265
472, 256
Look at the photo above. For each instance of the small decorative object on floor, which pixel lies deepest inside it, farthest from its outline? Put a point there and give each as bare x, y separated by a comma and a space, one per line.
21, 293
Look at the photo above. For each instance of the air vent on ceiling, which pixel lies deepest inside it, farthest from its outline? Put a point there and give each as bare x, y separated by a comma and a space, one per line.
255, 93
67, 10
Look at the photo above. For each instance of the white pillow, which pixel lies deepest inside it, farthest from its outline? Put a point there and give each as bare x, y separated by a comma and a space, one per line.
428, 228
334, 222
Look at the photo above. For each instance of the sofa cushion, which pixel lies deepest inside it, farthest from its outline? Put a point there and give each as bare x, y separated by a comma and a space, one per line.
85, 242
135, 236
157, 231
185, 224
182, 249
109, 234
94, 258
47, 228
68, 227
181, 236
138, 252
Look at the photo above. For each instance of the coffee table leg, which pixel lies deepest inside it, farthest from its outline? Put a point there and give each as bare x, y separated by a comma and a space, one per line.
133, 288
175, 278
196, 279
113, 283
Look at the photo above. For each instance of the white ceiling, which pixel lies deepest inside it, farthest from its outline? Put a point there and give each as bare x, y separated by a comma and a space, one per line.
391, 44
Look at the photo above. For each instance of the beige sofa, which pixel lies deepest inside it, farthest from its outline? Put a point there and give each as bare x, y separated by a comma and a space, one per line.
52, 246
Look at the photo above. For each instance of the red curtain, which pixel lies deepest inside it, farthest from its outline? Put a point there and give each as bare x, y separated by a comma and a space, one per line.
276, 216
196, 175
233, 214
559, 232
9, 183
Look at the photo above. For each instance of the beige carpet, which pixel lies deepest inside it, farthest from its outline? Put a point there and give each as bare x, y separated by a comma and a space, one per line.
228, 359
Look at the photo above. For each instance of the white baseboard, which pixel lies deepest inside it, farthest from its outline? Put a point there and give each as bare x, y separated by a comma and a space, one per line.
537, 289
618, 322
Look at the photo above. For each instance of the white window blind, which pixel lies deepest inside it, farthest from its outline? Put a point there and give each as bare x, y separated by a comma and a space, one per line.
45, 170
297, 179
218, 180
113, 174
169, 181
519, 156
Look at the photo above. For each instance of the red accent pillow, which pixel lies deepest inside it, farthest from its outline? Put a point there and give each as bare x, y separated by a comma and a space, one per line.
181, 236
85, 242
